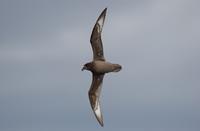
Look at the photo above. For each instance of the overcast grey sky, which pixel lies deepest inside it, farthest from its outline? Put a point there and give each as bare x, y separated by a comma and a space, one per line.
44, 43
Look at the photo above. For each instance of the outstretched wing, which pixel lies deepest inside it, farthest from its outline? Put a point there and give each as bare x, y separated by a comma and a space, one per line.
94, 94
95, 38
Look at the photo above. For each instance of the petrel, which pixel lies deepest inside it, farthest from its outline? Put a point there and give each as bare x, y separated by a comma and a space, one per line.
98, 66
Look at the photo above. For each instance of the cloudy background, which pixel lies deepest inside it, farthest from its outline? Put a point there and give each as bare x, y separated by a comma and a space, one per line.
44, 43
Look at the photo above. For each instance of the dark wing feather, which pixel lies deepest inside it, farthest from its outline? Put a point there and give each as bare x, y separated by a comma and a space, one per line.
94, 94
95, 39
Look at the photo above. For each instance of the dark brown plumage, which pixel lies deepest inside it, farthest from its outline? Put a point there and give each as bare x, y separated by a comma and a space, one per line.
98, 67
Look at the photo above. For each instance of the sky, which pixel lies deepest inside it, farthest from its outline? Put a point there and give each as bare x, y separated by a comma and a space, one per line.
45, 43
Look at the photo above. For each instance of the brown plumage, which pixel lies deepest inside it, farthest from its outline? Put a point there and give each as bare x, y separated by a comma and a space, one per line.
98, 67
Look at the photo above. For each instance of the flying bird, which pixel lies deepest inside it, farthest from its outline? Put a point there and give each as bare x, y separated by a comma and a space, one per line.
98, 66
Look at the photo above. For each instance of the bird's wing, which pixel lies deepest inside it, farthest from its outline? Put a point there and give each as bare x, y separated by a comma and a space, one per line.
94, 94
95, 38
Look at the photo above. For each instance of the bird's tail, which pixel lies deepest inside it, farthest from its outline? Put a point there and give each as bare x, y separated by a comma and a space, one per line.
116, 67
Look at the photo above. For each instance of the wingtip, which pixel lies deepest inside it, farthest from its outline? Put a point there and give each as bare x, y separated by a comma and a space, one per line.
101, 123
103, 14
105, 10
95, 104
98, 113
99, 117
101, 20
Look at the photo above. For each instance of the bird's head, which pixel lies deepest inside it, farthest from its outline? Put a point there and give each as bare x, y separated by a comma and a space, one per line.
87, 66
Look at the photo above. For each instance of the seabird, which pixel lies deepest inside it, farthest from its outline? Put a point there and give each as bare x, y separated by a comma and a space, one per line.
98, 66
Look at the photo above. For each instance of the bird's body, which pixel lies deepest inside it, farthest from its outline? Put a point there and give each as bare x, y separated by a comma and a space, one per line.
99, 67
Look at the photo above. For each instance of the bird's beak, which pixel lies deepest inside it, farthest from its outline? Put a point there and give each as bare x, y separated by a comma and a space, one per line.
84, 68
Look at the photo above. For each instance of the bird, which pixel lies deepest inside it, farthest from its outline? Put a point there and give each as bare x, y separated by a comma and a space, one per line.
98, 67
